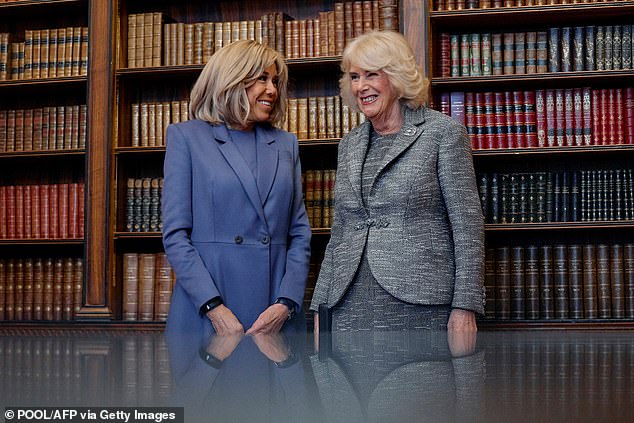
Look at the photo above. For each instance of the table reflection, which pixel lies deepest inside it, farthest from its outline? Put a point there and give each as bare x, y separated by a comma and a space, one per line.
529, 376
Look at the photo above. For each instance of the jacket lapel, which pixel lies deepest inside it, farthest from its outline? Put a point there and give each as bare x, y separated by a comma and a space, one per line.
410, 131
268, 160
239, 166
357, 147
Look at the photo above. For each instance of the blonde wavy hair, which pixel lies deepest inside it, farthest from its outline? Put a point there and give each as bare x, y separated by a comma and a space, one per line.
220, 92
390, 52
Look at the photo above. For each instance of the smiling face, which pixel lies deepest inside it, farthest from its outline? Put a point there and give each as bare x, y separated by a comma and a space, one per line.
262, 95
374, 95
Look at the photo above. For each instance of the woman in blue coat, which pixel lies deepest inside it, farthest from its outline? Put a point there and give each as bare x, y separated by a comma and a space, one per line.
234, 224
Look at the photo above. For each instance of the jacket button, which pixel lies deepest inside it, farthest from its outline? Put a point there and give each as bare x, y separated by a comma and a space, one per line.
265, 239
238, 239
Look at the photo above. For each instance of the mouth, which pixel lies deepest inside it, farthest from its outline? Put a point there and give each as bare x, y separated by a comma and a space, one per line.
265, 103
369, 99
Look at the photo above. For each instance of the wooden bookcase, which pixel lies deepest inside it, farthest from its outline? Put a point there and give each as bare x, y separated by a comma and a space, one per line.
526, 160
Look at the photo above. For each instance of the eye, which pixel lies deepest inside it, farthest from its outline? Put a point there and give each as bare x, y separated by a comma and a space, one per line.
354, 77
373, 74
263, 78
276, 81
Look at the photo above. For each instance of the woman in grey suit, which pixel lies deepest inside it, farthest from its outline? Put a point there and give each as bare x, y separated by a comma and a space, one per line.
407, 243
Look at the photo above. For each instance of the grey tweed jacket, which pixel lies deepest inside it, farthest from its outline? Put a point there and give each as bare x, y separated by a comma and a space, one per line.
422, 226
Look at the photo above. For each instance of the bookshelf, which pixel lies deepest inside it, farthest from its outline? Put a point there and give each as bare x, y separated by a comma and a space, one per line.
543, 269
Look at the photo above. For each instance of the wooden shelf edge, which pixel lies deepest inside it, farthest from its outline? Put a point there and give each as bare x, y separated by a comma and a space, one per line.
317, 142
43, 153
553, 150
546, 9
36, 3
138, 150
438, 82
9, 327
45, 82
137, 235
489, 227
41, 242
612, 324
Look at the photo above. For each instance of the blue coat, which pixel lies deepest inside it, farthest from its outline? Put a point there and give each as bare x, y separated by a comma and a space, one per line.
230, 234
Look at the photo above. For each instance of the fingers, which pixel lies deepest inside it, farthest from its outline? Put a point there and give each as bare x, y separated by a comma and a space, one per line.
224, 321
270, 320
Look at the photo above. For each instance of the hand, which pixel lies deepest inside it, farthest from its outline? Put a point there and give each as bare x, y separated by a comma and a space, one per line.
316, 332
270, 320
273, 346
221, 346
461, 332
224, 321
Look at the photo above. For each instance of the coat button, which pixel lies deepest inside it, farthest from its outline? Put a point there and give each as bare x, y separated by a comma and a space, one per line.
265, 239
238, 239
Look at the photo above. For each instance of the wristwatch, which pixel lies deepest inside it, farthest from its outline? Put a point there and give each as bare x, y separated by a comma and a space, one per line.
288, 303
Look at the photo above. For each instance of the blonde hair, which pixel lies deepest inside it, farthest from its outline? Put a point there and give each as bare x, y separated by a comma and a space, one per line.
219, 94
390, 52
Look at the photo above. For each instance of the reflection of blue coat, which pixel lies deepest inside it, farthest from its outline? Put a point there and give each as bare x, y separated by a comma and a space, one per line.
228, 233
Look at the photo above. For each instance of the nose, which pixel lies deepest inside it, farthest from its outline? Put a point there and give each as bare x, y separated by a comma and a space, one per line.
271, 89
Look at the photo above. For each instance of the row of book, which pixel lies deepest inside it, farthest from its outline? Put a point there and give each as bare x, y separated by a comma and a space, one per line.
193, 43
567, 196
576, 281
150, 120
544, 118
45, 53
61, 367
43, 128
45, 211
320, 117
40, 288
143, 205
442, 5
319, 188
148, 282
564, 49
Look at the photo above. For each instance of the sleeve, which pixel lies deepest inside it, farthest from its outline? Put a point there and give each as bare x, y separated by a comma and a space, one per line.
293, 282
458, 184
190, 270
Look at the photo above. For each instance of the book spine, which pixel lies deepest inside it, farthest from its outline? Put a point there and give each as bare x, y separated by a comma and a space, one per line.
603, 282
518, 289
546, 283
503, 283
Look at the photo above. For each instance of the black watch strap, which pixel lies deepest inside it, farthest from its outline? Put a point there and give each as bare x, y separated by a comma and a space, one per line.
210, 305
288, 303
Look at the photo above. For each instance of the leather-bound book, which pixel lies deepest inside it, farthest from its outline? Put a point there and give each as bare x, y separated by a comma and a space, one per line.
519, 125
9, 290
546, 295
628, 279
604, 292
551, 122
78, 283
617, 45
147, 269
28, 288
19, 212
540, 188
489, 283
569, 117
497, 63
18, 302
599, 48
35, 212
3, 277
340, 27
589, 45
554, 48
575, 281
565, 36
590, 310
616, 281
577, 125
531, 258
608, 34
574, 204
560, 118
483, 189
626, 47
62, 198
557, 197
53, 211
530, 119
38, 288
145, 204
522, 212
560, 281
28, 212
47, 289
509, 53
518, 290
504, 198
503, 283
73, 211
130, 286
578, 62
494, 204
163, 282
501, 137
58, 288
67, 289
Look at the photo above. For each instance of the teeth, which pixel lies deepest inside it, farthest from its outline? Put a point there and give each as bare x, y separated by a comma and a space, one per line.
266, 103
369, 99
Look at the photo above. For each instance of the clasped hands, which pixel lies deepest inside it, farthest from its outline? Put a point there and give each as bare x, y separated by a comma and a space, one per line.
270, 321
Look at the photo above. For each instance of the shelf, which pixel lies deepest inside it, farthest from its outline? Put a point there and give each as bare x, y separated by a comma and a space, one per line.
513, 152
43, 154
489, 227
317, 142
528, 81
139, 150
320, 231
569, 324
560, 14
4, 242
64, 326
45, 82
39, 4
137, 235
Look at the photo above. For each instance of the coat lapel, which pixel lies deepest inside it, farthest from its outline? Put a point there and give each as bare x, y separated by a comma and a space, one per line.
410, 131
357, 147
268, 160
240, 167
